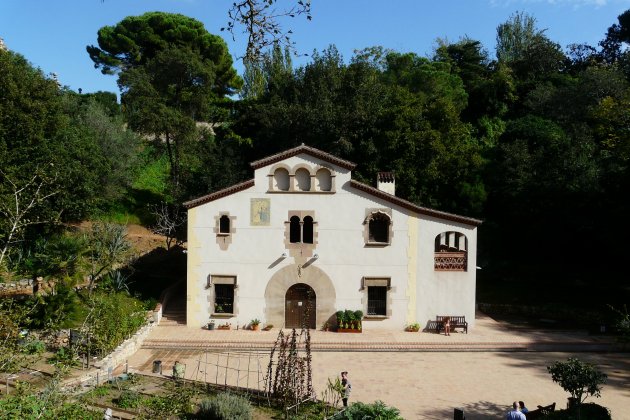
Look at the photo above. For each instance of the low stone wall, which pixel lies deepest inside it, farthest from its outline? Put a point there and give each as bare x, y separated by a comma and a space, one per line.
19, 287
104, 369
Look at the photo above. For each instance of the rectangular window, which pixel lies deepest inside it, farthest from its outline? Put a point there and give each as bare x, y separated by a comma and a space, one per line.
377, 300
224, 298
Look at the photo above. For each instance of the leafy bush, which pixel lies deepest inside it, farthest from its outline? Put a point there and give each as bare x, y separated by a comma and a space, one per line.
578, 378
64, 356
176, 403
61, 309
590, 411
25, 403
113, 318
129, 399
34, 347
225, 406
376, 410
622, 322
72, 411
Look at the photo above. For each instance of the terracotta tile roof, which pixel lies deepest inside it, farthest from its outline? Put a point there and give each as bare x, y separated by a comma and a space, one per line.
413, 207
219, 194
303, 149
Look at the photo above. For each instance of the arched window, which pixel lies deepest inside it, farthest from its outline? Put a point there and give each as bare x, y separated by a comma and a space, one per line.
307, 230
281, 179
224, 224
378, 227
300, 235
295, 230
451, 252
324, 180
303, 180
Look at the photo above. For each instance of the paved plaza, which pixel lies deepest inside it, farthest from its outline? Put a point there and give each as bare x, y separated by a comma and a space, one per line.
425, 375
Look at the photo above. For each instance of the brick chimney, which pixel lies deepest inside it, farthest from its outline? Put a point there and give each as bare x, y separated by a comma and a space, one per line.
385, 182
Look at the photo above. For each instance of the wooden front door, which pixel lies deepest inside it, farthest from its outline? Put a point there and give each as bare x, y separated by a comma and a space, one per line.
300, 306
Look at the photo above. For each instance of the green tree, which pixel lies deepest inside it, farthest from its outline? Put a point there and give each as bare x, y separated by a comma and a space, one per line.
515, 36
172, 74
580, 379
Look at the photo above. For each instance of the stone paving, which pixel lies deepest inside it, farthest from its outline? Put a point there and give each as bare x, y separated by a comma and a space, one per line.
425, 375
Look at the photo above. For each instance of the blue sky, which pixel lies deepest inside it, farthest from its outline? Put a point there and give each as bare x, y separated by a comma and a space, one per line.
53, 34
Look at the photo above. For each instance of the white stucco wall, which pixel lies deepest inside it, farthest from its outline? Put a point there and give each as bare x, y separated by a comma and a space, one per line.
254, 254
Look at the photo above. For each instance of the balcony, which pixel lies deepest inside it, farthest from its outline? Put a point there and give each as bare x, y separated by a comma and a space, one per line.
451, 261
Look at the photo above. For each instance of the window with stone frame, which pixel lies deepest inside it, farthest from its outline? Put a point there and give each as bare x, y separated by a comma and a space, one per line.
223, 295
224, 229
301, 233
224, 224
378, 227
377, 300
377, 296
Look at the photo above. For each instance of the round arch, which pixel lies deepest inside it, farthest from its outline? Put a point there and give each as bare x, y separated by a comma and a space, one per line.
283, 279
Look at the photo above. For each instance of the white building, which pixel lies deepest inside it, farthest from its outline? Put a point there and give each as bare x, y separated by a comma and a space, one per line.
302, 234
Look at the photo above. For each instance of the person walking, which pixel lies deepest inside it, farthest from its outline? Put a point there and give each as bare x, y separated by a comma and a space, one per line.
347, 387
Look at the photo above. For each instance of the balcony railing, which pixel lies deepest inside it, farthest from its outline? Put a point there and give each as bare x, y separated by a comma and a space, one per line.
451, 261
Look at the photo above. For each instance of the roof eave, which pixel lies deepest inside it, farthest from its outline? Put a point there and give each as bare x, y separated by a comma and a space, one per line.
413, 207
218, 194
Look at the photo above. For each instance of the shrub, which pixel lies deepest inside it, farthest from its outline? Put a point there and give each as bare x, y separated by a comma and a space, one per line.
349, 316
129, 399
341, 317
590, 411
64, 356
34, 347
578, 378
376, 410
225, 406
114, 318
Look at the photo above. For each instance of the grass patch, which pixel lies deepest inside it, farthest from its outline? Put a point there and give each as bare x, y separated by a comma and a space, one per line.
153, 177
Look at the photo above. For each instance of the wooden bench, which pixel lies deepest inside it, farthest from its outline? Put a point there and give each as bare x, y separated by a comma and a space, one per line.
456, 322
541, 412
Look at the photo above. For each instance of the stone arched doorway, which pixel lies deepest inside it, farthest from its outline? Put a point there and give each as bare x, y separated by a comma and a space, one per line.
293, 275
300, 306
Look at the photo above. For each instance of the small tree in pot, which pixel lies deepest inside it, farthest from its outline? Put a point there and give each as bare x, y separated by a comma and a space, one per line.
578, 378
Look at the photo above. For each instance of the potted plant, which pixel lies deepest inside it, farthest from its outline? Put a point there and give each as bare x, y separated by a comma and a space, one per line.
254, 323
349, 321
358, 316
211, 325
415, 327
340, 319
349, 316
580, 379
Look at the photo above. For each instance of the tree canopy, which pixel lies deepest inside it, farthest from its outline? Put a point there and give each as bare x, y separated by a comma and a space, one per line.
172, 74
